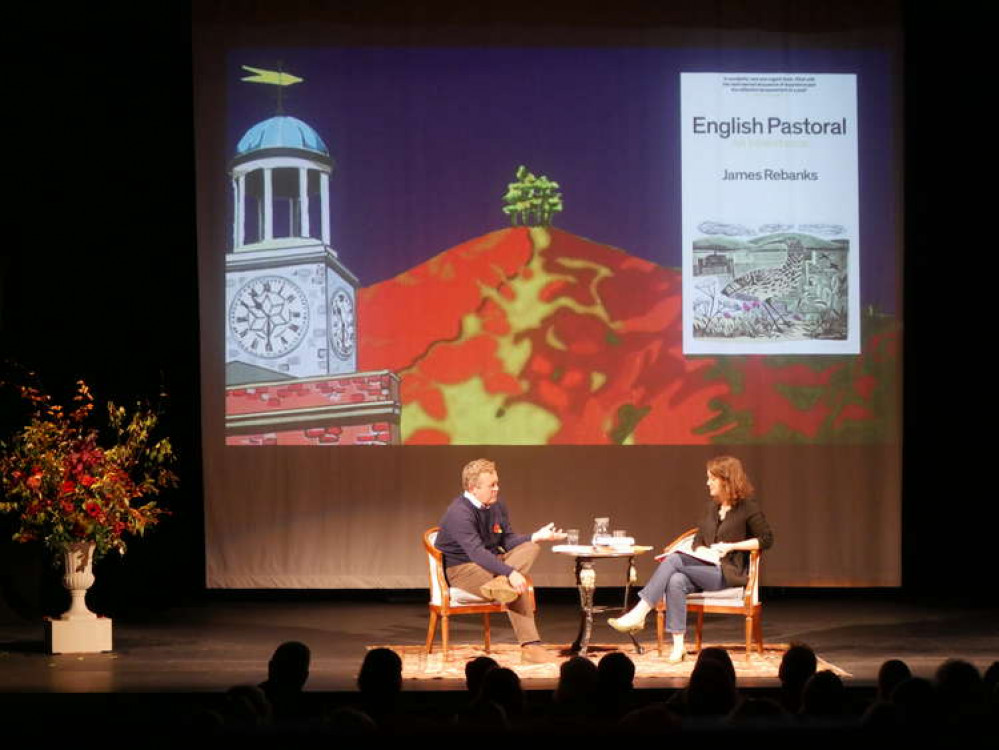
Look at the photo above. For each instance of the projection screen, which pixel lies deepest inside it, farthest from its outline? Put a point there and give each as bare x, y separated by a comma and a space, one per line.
598, 264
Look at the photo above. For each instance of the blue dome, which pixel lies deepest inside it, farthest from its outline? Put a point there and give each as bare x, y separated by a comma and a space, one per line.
281, 132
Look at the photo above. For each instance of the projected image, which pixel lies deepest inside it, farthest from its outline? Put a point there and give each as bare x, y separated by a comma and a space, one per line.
770, 213
417, 258
291, 357
790, 286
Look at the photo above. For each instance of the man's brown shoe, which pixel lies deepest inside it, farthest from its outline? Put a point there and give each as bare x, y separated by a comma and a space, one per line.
535, 653
499, 589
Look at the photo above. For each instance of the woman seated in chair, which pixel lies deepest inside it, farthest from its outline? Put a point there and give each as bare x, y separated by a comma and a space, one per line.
732, 525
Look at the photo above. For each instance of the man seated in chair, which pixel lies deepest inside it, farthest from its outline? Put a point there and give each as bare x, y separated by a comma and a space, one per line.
483, 555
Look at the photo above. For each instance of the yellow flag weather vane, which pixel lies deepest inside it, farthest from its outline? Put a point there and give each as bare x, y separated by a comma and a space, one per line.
272, 77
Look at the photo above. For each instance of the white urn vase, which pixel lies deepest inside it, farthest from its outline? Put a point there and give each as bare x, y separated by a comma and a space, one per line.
78, 630
78, 577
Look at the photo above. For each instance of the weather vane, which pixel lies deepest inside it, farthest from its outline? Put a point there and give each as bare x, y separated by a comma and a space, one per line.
273, 78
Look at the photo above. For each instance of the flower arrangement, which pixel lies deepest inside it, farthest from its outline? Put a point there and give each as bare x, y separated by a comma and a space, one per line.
67, 488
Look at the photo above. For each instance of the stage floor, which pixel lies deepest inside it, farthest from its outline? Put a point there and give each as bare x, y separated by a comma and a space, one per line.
226, 638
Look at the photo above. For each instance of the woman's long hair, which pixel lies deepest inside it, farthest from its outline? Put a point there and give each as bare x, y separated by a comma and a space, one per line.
729, 470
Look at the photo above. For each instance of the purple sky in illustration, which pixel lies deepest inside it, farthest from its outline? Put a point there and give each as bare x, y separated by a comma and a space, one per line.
425, 141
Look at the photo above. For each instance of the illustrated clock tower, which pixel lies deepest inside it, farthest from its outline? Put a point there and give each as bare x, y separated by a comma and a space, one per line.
290, 302
291, 327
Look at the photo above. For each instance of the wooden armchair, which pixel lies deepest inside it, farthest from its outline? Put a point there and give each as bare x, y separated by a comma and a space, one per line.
447, 601
739, 600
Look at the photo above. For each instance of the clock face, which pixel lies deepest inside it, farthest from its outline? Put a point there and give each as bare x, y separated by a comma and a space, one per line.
341, 324
269, 316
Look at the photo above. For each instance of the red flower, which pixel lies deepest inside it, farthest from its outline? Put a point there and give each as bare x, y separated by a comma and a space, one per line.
67, 506
93, 509
86, 480
67, 487
34, 481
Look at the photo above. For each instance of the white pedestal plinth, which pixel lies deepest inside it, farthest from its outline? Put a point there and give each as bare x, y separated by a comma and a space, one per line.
78, 636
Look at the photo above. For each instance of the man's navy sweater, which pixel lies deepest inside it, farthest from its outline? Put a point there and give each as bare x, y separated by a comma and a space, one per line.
469, 534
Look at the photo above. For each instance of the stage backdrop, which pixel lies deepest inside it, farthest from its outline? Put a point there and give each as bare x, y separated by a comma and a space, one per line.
597, 265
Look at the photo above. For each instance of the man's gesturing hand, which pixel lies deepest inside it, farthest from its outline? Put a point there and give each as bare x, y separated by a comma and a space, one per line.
547, 533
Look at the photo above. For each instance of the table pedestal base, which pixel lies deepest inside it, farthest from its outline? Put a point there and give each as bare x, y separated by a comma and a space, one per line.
586, 582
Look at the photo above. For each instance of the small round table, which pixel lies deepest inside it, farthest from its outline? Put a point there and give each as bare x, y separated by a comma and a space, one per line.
586, 581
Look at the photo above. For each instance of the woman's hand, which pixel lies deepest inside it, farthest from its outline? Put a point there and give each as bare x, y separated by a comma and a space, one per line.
723, 548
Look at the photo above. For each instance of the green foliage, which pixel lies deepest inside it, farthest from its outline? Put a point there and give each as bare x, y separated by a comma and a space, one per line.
628, 417
531, 201
838, 399
804, 397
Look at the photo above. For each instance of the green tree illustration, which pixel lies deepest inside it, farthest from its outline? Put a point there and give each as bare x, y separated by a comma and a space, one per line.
531, 201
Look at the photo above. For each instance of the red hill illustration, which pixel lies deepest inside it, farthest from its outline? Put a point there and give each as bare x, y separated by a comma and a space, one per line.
535, 336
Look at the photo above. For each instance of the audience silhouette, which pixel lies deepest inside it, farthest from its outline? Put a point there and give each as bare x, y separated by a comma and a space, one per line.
287, 673
380, 683
600, 700
615, 686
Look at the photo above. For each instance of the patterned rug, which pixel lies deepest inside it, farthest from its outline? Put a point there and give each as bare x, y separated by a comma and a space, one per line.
416, 665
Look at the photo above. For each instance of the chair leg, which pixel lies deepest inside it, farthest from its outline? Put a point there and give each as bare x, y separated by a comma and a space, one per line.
660, 626
446, 636
758, 630
749, 635
700, 628
431, 631
485, 630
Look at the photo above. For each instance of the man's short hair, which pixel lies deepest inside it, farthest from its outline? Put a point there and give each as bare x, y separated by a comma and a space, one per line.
473, 470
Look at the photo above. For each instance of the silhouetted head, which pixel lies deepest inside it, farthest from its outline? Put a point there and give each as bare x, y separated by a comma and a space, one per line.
719, 655
711, 691
796, 666
824, 695
959, 685
892, 672
289, 666
615, 673
577, 680
381, 673
475, 672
